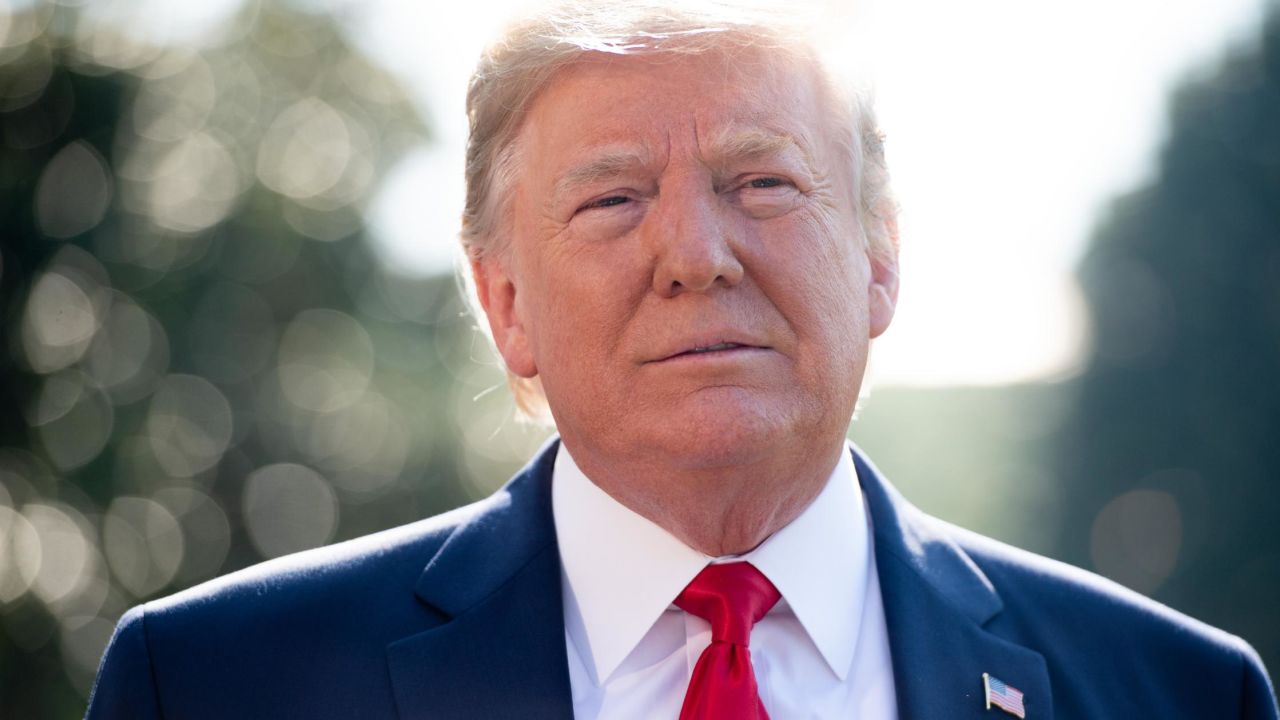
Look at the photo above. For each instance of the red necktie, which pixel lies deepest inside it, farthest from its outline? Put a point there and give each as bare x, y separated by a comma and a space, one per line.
732, 597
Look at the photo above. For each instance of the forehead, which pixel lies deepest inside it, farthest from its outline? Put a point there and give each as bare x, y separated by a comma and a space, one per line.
743, 100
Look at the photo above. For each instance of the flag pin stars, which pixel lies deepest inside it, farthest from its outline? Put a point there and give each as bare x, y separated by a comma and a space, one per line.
1003, 696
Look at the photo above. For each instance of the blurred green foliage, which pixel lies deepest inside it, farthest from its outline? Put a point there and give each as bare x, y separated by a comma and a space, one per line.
202, 363
1171, 456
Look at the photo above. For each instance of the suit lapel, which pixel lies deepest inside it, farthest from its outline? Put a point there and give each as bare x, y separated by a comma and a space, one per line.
937, 603
501, 651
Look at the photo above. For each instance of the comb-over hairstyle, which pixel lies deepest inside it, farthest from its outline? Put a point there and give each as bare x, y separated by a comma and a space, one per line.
526, 57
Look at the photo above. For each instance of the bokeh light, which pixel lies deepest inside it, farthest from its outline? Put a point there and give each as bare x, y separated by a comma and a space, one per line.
326, 360
19, 554
143, 543
189, 424
67, 555
73, 419
287, 508
59, 322
73, 192
1137, 537
206, 532
130, 352
189, 186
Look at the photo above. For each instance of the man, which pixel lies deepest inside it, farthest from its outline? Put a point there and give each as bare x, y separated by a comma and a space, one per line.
682, 240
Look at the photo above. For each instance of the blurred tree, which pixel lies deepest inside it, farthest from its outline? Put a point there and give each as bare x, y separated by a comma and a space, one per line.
202, 363
1170, 460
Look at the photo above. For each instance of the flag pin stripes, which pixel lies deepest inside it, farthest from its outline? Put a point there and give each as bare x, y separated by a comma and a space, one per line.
1003, 696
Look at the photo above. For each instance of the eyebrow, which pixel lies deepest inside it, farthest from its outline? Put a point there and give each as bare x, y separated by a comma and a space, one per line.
738, 144
608, 164
730, 146
749, 143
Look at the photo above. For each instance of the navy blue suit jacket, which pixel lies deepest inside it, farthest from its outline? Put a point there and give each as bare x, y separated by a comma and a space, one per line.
460, 616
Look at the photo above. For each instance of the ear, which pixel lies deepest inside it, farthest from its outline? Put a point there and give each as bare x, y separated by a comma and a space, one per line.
496, 291
882, 288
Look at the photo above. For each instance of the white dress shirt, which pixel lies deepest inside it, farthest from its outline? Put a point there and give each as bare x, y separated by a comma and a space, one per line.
821, 652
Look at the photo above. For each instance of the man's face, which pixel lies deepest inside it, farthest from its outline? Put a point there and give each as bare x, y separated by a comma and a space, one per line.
685, 272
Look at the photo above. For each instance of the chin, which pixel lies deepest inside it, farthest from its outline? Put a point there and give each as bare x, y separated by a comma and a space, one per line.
716, 432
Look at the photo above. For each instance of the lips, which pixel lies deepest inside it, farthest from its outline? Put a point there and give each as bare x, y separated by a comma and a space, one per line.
713, 348
707, 347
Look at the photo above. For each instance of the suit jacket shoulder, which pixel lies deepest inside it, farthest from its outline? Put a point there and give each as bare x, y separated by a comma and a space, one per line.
456, 616
1076, 645
237, 643
1128, 645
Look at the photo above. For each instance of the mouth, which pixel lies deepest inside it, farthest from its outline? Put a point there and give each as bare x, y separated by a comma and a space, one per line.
718, 347
713, 350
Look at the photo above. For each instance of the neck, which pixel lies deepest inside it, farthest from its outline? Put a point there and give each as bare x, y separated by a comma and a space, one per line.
721, 510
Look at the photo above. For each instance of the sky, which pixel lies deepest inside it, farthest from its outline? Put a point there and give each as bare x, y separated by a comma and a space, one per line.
1010, 127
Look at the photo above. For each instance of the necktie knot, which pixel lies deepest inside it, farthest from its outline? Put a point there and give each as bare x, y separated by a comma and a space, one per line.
732, 597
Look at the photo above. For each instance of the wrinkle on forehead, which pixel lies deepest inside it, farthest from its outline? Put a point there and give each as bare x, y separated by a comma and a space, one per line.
733, 144
732, 129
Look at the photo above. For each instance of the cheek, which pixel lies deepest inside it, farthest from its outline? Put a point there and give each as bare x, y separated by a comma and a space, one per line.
581, 304
816, 266
817, 278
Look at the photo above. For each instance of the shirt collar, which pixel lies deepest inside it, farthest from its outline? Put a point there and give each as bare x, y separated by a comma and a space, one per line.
820, 562
623, 571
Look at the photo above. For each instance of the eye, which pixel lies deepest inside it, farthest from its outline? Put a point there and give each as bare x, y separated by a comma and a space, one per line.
765, 196
605, 202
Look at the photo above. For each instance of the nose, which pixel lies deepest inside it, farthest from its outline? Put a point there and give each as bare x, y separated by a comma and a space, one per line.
693, 245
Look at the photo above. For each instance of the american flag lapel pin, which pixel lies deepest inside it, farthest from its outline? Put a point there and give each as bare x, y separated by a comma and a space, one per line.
1003, 696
